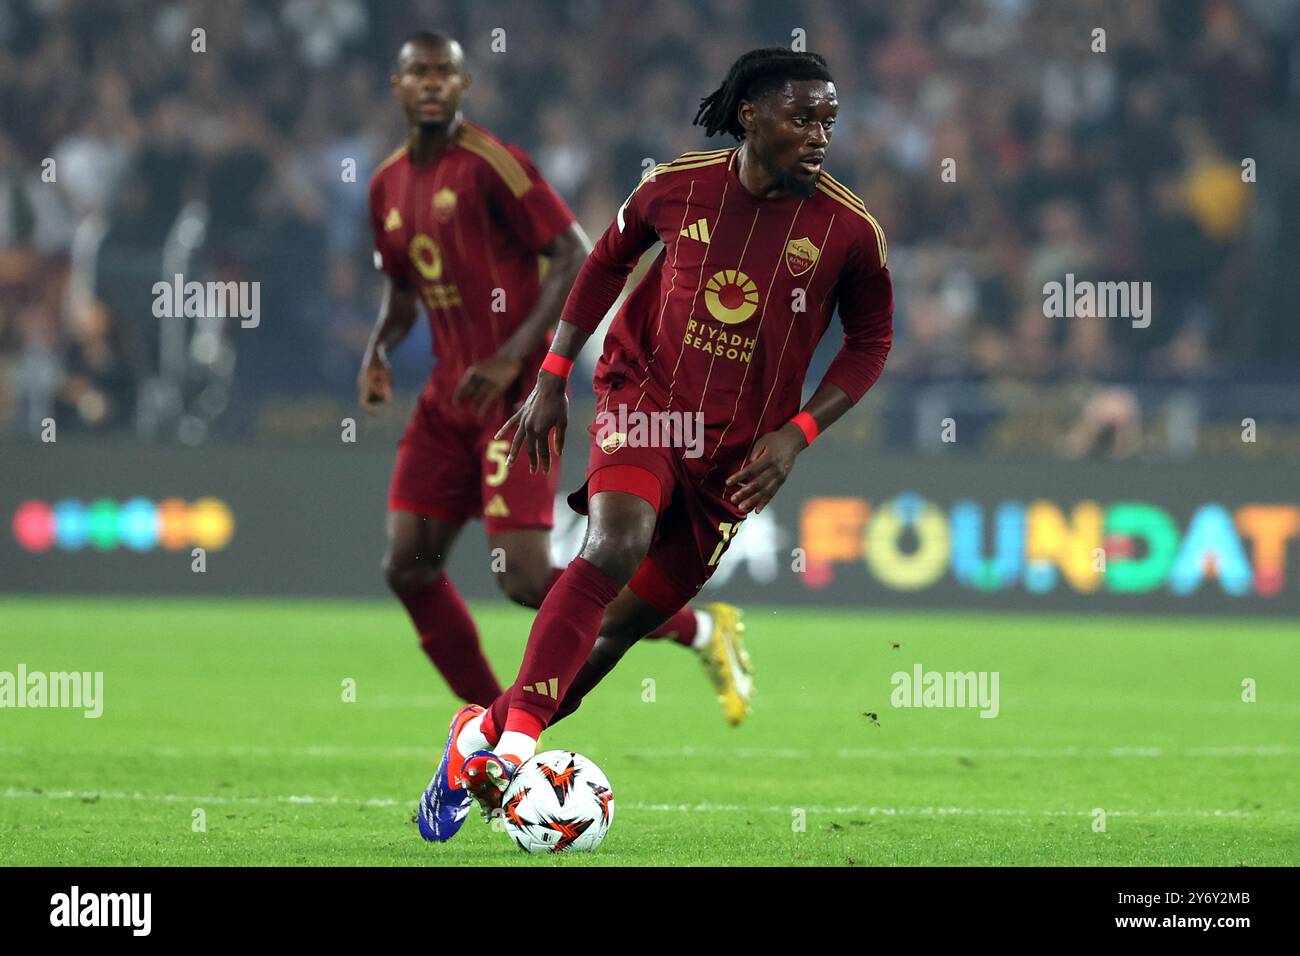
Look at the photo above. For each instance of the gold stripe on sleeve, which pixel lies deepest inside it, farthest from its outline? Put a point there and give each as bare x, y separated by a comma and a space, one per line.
882, 247
392, 157
678, 166
699, 154
843, 190
499, 158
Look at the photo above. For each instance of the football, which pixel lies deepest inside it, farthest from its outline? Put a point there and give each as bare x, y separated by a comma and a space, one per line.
558, 802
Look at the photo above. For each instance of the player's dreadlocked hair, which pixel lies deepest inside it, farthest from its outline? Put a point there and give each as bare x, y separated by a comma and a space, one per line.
755, 74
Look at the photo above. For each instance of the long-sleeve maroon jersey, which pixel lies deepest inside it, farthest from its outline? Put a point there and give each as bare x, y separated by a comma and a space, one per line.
728, 317
466, 230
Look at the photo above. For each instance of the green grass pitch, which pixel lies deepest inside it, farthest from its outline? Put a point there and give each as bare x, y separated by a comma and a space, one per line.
236, 708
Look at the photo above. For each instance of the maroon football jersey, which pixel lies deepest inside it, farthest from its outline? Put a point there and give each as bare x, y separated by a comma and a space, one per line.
466, 230
728, 317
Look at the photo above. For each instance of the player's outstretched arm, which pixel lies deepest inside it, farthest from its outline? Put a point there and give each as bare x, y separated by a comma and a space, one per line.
592, 297
547, 407
483, 382
398, 311
771, 460
594, 292
866, 310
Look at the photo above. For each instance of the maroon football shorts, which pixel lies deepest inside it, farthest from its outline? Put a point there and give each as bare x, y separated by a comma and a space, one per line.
696, 522
449, 466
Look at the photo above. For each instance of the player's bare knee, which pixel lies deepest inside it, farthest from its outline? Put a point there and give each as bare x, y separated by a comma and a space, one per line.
617, 637
524, 586
617, 552
618, 541
405, 575
611, 646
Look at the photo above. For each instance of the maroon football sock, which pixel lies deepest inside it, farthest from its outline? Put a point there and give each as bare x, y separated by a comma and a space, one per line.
563, 633
494, 718
450, 639
591, 673
680, 628
550, 581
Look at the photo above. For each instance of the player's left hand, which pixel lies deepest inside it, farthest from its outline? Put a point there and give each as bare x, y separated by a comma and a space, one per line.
483, 382
767, 468
544, 412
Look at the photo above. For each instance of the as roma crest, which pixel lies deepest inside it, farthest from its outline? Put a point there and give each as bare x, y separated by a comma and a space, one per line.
800, 254
444, 205
613, 442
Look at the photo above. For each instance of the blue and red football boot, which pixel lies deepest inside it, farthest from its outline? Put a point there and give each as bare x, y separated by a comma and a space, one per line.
445, 802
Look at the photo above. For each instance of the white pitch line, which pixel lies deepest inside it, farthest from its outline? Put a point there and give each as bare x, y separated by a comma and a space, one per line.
890, 753
1272, 750
692, 753
385, 802
216, 799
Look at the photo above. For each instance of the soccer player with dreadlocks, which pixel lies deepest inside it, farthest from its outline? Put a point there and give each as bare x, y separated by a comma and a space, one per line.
762, 247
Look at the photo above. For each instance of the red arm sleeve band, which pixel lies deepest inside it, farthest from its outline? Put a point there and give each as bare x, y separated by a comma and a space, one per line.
808, 425
557, 365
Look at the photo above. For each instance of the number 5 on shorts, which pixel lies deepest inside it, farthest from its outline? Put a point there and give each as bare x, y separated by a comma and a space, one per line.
498, 453
726, 529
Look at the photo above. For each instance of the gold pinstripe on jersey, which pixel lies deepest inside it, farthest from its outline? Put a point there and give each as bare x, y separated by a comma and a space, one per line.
762, 316
780, 359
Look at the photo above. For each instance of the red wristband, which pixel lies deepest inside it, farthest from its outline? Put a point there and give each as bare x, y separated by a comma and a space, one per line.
557, 365
808, 425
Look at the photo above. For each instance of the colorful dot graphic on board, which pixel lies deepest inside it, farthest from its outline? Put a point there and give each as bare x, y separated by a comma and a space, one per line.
137, 524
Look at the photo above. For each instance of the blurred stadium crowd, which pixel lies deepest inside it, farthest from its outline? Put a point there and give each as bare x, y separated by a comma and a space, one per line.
1116, 165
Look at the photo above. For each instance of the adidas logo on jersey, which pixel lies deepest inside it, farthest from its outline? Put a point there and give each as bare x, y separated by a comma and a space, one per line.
393, 220
551, 689
497, 508
698, 230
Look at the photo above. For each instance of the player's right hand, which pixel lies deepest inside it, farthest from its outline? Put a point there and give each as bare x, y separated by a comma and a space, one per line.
546, 408
375, 384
